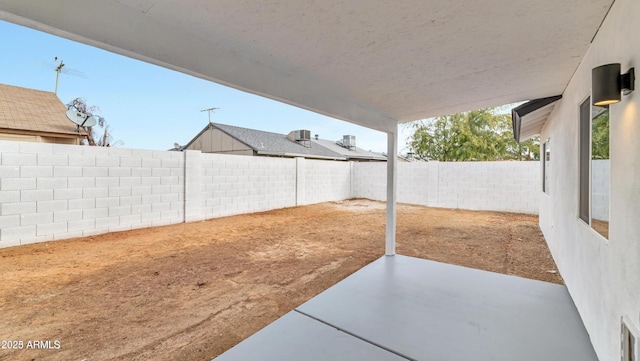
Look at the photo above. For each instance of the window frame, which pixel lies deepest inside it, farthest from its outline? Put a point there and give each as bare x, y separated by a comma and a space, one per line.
546, 150
629, 341
584, 161
585, 174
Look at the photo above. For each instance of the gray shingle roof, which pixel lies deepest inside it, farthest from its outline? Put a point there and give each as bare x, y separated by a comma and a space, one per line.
357, 153
268, 143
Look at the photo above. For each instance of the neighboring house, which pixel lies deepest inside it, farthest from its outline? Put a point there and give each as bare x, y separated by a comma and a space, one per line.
228, 139
410, 157
30, 115
347, 148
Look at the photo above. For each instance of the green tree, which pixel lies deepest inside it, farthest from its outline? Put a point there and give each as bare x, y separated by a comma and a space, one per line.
479, 135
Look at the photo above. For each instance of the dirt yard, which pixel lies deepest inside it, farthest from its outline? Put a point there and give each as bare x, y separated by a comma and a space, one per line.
191, 291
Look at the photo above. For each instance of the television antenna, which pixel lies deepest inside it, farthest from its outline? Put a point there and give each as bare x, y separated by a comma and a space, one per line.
80, 119
62, 68
209, 111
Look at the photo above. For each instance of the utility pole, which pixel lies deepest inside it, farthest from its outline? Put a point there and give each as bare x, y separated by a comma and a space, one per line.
58, 70
209, 111
62, 68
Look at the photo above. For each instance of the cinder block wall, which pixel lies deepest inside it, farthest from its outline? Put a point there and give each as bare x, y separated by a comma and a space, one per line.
416, 181
499, 186
51, 191
370, 180
325, 181
233, 184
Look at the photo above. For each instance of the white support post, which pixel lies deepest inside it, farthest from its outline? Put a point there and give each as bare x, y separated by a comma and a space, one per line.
392, 151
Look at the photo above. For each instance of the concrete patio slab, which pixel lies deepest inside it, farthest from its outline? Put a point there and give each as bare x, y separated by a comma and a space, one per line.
425, 310
295, 337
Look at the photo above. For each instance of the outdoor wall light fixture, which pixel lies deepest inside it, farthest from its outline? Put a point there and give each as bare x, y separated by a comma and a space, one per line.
607, 83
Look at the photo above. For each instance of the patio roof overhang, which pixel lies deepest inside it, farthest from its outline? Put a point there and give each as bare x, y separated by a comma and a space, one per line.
372, 63
375, 63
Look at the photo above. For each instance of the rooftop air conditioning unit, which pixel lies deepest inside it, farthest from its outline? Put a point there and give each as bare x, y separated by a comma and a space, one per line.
301, 135
349, 141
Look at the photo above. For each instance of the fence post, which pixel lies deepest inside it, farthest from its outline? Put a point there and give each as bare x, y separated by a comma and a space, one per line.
192, 186
300, 181
351, 179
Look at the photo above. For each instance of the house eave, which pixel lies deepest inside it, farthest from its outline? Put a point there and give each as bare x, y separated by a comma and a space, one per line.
529, 118
297, 155
42, 134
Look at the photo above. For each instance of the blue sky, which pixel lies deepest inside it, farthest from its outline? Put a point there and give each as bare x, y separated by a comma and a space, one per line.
149, 107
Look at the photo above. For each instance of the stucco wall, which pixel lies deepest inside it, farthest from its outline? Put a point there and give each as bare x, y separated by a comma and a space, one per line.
603, 276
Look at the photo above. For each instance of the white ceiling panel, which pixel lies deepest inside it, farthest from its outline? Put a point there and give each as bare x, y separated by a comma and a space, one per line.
373, 62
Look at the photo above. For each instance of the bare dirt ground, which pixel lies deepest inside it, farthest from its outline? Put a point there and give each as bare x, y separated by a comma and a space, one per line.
191, 291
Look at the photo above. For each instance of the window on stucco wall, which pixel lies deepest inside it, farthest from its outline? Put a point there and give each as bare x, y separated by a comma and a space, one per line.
585, 157
600, 166
594, 167
629, 344
546, 158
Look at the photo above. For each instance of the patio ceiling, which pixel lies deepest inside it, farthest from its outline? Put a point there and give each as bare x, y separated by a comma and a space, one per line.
373, 63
